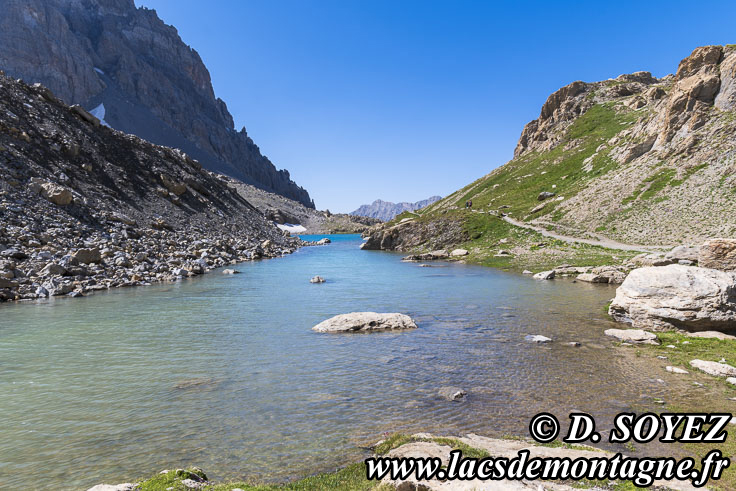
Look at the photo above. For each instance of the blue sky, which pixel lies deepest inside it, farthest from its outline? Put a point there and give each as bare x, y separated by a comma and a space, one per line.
401, 100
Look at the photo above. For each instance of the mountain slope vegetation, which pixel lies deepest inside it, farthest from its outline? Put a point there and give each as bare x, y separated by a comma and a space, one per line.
635, 159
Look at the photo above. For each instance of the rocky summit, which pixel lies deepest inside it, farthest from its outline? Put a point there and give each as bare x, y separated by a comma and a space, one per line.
134, 73
85, 207
635, 160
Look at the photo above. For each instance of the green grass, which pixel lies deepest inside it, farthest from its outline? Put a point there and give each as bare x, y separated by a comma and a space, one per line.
532, 250
687, 349
662, 179
521, 180
513, 189
351, 478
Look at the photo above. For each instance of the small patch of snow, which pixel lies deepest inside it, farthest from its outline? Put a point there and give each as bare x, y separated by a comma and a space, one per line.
99, 113
99, 71
291, 228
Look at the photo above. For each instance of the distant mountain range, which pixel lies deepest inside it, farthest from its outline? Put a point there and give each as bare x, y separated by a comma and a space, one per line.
134, 72
386, 210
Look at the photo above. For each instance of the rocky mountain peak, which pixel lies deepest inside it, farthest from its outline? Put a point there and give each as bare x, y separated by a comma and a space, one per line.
704, 57
109, 54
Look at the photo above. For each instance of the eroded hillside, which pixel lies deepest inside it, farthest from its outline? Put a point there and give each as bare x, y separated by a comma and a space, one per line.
634, 159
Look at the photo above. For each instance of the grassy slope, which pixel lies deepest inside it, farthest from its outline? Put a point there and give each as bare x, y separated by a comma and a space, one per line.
514, 187
687, 349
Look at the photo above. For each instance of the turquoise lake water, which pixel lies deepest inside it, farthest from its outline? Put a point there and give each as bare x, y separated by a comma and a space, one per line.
223, 372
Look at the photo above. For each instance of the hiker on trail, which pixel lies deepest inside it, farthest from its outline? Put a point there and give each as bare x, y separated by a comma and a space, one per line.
469, 204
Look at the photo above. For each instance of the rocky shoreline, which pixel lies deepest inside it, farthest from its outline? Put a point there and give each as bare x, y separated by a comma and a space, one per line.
84, 207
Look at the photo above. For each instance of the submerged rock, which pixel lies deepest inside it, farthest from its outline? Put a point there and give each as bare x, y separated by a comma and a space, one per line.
536, 338
427, 256
452, 393
677, 296
365, 321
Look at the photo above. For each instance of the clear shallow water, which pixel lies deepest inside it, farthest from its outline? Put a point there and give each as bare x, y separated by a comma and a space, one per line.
224, 372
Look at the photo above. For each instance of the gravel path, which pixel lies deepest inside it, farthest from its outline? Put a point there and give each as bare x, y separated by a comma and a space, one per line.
607, 243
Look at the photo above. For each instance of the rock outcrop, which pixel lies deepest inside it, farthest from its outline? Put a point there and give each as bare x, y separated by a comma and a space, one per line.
677, 297
386, 210
410, 233
138, 75
83, 207
718, 254
365, 321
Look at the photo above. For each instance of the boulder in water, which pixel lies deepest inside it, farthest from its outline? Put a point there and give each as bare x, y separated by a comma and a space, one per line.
545, 275
536, 338
365, 321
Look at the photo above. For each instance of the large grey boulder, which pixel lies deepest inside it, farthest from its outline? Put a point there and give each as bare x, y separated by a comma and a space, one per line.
676, 296
714, 368
718, 254
683, 253
87, 256
632, 336
365, 321
545, 275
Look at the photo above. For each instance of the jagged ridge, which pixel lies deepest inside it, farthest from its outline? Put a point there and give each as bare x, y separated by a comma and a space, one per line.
386, 210
93, 52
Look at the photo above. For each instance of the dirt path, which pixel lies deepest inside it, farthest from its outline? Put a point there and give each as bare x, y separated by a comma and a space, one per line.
607, 243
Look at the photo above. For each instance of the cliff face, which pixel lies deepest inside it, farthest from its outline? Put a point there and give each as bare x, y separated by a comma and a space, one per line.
635, 159
386, 210
137, 74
